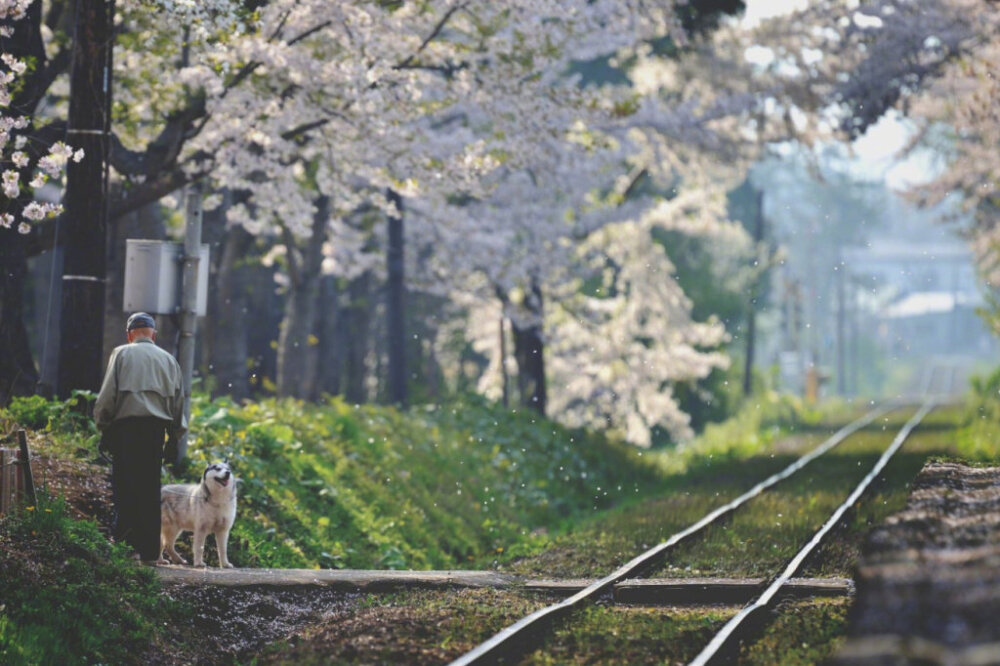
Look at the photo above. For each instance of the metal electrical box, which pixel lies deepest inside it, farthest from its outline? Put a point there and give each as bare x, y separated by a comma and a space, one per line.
153, 273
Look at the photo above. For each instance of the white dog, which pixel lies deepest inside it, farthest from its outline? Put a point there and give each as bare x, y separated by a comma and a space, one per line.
209, 506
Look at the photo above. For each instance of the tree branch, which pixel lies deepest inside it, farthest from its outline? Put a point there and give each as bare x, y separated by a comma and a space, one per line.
294, 274
433, 33
162, 151
151, 190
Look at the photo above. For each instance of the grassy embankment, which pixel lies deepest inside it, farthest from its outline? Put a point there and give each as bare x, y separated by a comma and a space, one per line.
339, 485
67, 596
330, 485
758, 541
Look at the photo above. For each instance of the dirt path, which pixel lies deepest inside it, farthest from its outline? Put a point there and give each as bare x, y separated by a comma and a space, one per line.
928, 584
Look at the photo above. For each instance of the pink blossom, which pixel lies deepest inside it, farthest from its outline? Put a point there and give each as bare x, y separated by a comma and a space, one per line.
11, 184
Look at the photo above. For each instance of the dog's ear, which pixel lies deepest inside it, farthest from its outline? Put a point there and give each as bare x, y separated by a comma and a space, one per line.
226, 460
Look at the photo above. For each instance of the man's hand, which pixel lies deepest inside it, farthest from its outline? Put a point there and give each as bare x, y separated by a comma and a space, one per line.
104, 451
170, 451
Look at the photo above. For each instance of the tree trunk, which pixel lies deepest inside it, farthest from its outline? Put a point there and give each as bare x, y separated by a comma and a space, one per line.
395, 307
18, 375
229, 331
424, 321
214, 232
529, 352
17, 368
296, 355
331, 340
758, 237
82, 331
296, 342
357, 337
504, 380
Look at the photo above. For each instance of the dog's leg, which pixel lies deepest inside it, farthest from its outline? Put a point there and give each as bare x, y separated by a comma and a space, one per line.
169, 537
198, 547
163, 544
221, 540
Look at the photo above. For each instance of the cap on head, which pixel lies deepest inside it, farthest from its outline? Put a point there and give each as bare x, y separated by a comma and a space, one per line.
140, 320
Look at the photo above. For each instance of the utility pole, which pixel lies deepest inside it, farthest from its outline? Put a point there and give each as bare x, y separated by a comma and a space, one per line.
81, 345
189, 300
841, 333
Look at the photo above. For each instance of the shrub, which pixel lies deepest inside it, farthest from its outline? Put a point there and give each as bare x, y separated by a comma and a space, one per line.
69, 416
979, 438
70, 597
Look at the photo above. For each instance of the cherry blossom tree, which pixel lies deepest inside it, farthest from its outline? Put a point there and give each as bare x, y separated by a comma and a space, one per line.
370, 99
549, 229
34, 156
299, 102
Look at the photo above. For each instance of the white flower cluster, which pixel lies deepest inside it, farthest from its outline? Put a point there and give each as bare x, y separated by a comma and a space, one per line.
48, 166
465, 108
12, 10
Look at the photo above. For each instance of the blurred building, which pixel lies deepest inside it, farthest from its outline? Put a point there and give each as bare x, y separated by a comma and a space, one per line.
923, 295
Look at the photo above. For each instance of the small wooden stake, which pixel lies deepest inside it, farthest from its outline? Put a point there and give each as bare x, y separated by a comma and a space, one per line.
7, 484
25, 462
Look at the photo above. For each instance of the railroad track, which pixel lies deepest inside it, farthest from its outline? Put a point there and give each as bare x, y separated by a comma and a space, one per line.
939, 380
530, 630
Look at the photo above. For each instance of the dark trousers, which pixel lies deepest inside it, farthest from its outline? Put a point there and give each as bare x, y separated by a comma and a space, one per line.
137, 448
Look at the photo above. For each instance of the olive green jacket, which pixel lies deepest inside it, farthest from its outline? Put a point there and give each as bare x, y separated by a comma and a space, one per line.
142, 380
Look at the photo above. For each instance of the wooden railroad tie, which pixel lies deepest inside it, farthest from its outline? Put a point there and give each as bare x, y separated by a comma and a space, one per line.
653, 591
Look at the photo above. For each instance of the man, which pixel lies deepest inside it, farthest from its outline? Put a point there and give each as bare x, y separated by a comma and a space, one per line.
141, 400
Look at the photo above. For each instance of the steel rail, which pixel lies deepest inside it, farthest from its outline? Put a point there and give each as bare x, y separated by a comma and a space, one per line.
727, 631
502, 642
953, 372
928, 380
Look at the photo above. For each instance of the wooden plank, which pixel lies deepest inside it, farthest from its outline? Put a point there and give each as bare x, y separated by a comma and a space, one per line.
723, 590
646, 591
560, 587
348, 580
6, 485
8, 480
27, 479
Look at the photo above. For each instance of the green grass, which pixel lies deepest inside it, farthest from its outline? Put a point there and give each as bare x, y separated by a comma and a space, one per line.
345, 486
631, 635
803, 632
756, 541
979, 438
474, 485
764, 534
67, 596
760, 421
425, 627
416, 627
